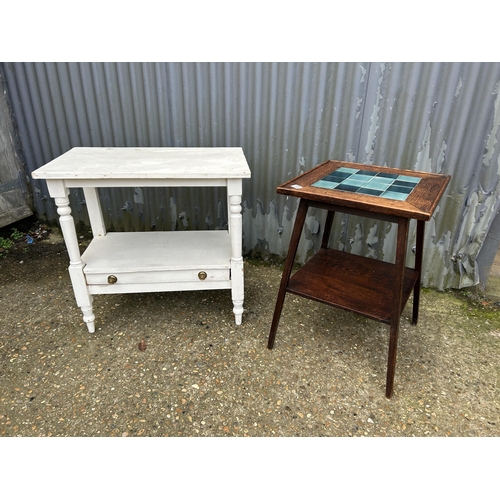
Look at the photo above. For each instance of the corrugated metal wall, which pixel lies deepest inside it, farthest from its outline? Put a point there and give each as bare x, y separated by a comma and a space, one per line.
287, 117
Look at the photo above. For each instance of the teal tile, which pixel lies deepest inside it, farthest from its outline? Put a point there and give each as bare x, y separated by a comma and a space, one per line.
353, 182
347, 170
394, 195
407, 178
366, 173
326, 184
379, 184
359, 177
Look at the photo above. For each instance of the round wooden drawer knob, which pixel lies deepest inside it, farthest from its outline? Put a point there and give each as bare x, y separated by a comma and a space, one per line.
112, 279
202, 275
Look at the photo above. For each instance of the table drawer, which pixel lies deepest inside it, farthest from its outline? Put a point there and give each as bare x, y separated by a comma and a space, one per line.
170, 276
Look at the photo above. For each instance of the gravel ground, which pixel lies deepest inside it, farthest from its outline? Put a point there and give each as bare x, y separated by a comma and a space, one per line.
200, 375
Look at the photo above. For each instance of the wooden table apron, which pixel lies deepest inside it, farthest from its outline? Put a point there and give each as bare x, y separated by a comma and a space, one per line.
149, 261
329, 271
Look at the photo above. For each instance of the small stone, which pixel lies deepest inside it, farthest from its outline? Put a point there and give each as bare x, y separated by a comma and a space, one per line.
370, 421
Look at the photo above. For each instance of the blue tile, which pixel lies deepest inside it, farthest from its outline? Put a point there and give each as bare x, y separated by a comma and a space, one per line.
388, 176
366, 173
409, 185
336, 177
400, 189
352, 189
373, 192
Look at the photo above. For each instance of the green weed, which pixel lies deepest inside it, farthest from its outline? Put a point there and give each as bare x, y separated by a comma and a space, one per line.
7, 243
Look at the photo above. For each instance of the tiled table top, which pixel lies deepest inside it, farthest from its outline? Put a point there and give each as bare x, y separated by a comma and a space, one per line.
389, 191
381, 184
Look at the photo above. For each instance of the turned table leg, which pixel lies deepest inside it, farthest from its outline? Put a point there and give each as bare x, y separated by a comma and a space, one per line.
236, 234
83, 298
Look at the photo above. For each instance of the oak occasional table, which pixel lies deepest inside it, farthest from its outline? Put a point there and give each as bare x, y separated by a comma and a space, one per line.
154, 261
376, 289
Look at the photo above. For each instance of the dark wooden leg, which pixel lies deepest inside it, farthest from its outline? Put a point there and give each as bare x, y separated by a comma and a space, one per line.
396, 303
418, 267
287, 270
328, 229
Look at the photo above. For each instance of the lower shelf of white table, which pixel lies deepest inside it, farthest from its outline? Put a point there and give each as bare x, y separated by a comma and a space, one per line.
158, 261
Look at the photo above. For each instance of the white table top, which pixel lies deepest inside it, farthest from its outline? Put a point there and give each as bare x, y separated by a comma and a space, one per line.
146, 163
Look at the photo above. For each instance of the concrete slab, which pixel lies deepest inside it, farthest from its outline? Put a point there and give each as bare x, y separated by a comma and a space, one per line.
196, 374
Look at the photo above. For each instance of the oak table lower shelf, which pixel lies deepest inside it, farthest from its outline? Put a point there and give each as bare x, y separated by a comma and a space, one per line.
351, 282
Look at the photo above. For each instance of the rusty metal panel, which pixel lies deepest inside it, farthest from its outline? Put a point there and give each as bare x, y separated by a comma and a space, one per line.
287, 117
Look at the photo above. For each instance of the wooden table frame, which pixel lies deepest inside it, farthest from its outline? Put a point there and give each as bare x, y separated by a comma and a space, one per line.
151, 261
352, 282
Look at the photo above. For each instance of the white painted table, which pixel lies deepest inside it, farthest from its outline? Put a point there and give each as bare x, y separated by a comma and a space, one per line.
131, 262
